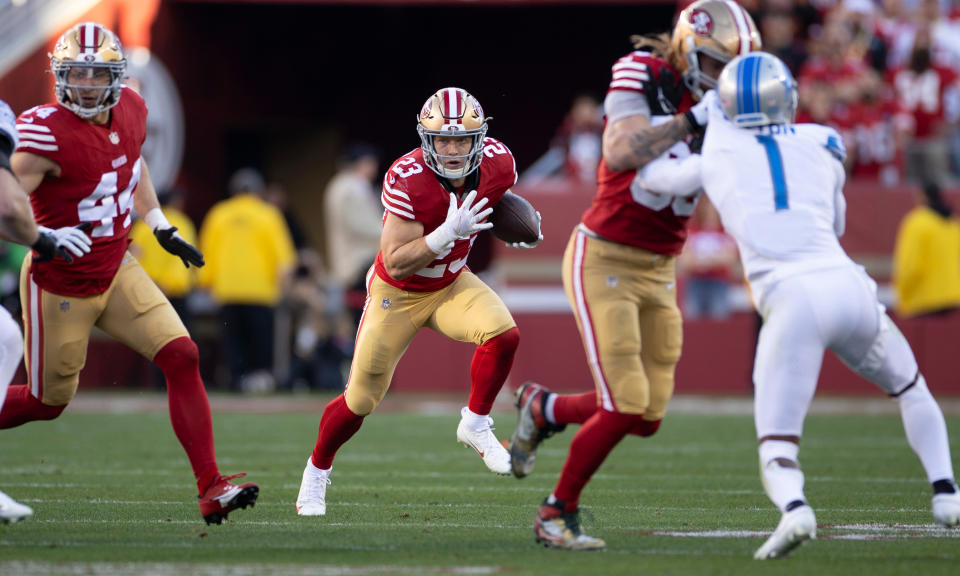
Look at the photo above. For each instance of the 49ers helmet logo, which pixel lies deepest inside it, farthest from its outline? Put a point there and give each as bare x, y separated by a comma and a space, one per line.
702, 22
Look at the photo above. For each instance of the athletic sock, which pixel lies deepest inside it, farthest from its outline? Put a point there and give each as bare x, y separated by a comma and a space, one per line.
337, 425
589, 448
489, 369
926, 430
189, 407
781, 473
21, 407
570, 409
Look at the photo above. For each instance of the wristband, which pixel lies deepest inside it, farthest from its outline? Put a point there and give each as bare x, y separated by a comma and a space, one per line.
155, 220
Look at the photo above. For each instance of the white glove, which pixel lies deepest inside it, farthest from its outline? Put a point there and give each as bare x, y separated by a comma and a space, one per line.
462, 222
70, 238
701, 110
529, 245
8, 123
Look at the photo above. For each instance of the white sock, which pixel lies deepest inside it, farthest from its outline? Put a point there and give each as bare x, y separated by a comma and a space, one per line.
783, 484
11, 351
548, 408
314, 470
474, 421
926, 430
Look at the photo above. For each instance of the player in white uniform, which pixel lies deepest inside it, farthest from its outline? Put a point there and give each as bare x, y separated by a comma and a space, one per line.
778, 188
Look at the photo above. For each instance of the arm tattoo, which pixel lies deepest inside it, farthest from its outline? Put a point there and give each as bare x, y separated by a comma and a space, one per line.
650, 143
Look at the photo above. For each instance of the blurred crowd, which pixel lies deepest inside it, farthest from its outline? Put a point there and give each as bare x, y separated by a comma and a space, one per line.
884, 73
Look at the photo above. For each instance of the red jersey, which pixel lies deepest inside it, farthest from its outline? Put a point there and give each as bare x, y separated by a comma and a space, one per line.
413, 192
622, 211
99, 171
922, 96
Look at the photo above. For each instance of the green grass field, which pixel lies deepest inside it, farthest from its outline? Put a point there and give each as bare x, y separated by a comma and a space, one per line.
113, 493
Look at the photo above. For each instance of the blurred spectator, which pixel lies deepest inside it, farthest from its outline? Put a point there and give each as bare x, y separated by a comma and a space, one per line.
354, 217
321, 342
778, 28
834, 61
874, 132
926, 266
923, 90
709, 265
167, 271
276, 194
575, 150
250, 258
11, 257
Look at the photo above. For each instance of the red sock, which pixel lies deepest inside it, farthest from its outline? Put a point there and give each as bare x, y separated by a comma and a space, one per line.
574, 408
337, 425
590, 447
645, 428
488, 371
21, 407
189, 407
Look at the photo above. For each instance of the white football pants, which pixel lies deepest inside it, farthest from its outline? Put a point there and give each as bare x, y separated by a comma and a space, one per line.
803, 316
11, 351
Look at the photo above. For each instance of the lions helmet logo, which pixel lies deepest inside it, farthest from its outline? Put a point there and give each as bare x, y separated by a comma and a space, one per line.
702, 22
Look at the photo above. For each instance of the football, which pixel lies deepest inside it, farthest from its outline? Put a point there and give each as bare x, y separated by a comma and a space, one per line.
514, 220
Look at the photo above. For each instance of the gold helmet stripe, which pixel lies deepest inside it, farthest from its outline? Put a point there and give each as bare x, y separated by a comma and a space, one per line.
740, 20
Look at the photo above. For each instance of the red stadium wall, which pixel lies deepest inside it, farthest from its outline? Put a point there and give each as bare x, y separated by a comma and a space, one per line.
717, 356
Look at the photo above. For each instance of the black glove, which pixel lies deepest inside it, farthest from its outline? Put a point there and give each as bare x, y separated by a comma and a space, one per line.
51, 243
663, 92
46, 248
175, 245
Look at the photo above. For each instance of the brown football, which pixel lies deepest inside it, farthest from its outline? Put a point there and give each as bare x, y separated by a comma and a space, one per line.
514, 220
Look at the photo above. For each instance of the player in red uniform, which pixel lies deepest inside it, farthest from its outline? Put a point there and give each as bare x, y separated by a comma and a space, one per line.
619, 266
436, 198
79, 159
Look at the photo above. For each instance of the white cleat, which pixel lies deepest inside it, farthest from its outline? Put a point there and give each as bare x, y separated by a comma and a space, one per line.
312, 499
946, 509
795, 528
481, 439
12, 511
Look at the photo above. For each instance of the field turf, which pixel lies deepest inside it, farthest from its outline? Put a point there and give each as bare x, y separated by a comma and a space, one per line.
113, 494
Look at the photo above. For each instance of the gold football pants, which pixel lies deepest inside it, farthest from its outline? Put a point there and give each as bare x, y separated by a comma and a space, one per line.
57, 328
467, 310
624, 299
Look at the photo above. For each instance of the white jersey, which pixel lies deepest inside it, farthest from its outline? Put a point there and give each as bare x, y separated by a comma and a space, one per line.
779, 192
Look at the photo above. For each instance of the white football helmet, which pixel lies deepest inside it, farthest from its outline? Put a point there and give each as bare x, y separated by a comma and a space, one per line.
756, 90
89, 46
452, 112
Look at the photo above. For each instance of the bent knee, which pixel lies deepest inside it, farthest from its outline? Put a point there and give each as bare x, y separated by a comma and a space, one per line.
645, 428
505, 341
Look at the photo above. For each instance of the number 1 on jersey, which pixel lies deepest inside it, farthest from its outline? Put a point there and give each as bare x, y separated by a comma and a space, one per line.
780, 201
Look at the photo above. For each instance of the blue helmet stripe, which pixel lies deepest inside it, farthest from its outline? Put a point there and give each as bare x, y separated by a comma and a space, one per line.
756, 83
746, 85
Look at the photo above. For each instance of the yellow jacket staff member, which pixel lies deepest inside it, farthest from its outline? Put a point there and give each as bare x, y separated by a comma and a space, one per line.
248, 249
926, 272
